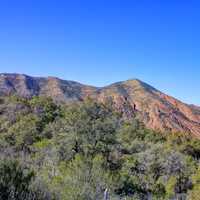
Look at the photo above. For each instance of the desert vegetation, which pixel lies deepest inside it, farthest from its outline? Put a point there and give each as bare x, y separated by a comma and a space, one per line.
76, 151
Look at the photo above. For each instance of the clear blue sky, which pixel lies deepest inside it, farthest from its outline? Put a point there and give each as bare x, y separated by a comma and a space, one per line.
102, 41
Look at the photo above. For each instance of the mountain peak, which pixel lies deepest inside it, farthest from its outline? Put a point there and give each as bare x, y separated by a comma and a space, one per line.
139, 83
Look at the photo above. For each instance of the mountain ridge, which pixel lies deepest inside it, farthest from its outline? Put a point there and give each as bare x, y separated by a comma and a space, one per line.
157, 110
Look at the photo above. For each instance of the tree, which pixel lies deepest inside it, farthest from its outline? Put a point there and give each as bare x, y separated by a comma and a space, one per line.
84, 178
15, 180
90, 128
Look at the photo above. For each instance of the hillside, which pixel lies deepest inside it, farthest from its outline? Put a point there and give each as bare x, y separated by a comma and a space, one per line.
133, 97
77, 151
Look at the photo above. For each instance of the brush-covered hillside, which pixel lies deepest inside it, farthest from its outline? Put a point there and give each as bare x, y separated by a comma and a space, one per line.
86, 150
155, 109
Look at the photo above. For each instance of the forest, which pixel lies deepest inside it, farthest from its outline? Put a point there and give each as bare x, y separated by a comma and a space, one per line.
77, 151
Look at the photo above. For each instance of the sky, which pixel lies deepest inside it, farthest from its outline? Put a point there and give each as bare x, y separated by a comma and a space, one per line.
98, 42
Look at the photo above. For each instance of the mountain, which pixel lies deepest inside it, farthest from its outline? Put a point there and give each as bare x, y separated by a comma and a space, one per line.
133, 97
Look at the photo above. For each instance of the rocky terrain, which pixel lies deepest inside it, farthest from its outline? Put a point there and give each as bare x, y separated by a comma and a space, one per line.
133, 97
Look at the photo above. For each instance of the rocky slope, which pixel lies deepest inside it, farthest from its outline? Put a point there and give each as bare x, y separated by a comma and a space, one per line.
133, 97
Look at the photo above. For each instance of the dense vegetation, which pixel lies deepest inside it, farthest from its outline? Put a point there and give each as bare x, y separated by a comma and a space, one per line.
76, 151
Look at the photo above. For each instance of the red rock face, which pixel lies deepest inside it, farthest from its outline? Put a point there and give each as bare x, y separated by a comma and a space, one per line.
156, 109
